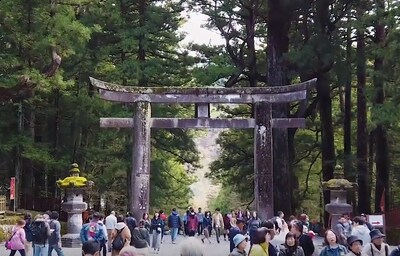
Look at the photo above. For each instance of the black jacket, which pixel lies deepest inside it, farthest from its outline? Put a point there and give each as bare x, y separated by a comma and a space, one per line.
307, 244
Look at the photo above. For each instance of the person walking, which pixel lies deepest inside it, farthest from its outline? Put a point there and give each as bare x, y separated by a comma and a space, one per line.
164, 218
103, 243
156, 226
174, 223
55, 237
110, 222
92, 230
227, 226
40, 236
17, 240
120, 236
200, 219
130, 222
192, 223
253, 224
141, 239
28, 233
217, 223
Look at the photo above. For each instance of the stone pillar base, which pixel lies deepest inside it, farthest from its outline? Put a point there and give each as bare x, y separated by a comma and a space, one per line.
71, 241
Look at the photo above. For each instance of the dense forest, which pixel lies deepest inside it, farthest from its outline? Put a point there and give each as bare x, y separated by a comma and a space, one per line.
50, 112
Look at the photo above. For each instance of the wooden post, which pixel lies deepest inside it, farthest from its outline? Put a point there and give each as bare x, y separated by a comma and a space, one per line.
140, 175
263, 161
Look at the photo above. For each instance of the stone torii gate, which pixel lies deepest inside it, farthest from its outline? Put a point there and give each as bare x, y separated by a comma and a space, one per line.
261, 97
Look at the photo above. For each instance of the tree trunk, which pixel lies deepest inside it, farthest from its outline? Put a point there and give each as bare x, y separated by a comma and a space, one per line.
141, 39
250, 23
381, 146
363, 180
279, 20
327, 135
348, 166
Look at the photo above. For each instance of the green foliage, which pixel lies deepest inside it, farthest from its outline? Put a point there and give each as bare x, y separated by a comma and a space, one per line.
235, 164
226, 200
61, 122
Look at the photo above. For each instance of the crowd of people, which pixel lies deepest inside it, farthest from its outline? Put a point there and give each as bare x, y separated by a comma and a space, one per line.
246, 233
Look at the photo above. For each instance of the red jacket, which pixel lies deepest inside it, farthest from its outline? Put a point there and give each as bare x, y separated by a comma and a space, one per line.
192, 222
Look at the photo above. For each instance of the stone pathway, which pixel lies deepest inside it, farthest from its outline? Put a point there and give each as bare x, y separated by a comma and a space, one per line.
167, 248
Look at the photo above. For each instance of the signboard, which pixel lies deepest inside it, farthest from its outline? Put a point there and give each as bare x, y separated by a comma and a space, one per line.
376, 220
12, 188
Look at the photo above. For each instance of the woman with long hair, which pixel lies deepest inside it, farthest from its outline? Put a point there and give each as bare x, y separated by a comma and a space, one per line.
147, 222
156, 227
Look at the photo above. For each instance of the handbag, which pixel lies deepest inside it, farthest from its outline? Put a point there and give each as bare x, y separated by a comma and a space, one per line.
9, 243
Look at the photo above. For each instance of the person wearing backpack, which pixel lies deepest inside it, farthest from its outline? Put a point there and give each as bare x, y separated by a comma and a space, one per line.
28, 234
103, 243
141, 238
120, 236
93, 230
110, 223
55, 237
130, 222
40, 231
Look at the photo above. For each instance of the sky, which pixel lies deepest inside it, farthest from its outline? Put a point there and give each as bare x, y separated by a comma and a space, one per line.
197, 34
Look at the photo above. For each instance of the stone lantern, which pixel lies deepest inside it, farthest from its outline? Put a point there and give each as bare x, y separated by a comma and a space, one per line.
74, 187
338, 186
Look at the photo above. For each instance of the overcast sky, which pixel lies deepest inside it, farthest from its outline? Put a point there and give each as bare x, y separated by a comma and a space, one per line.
197, 34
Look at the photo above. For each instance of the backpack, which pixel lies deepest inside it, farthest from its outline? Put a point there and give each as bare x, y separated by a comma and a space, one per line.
118, 243
38, 232
28, 233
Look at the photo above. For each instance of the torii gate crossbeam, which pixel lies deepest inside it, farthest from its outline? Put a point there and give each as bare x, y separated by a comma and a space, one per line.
261, 97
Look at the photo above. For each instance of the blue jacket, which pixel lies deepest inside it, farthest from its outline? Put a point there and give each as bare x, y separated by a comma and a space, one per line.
99, 235
328, 251
174, 221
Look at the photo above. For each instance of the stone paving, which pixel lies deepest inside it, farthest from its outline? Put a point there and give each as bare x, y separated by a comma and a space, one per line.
167, 248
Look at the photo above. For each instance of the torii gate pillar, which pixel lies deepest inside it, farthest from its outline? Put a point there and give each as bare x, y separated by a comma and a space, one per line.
263, 161
140, 175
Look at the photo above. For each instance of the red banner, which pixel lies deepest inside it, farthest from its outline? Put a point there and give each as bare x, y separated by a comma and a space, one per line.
382, 202
12, 188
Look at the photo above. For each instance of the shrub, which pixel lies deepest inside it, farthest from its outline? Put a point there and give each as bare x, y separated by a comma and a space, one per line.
64, 228
3, 235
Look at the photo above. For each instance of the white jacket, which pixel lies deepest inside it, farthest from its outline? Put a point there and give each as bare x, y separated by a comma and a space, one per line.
362, 232
371, 250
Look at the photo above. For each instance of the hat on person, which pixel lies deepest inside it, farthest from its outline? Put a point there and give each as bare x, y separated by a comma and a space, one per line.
238, 239
352, 239
90, 247
375, 234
